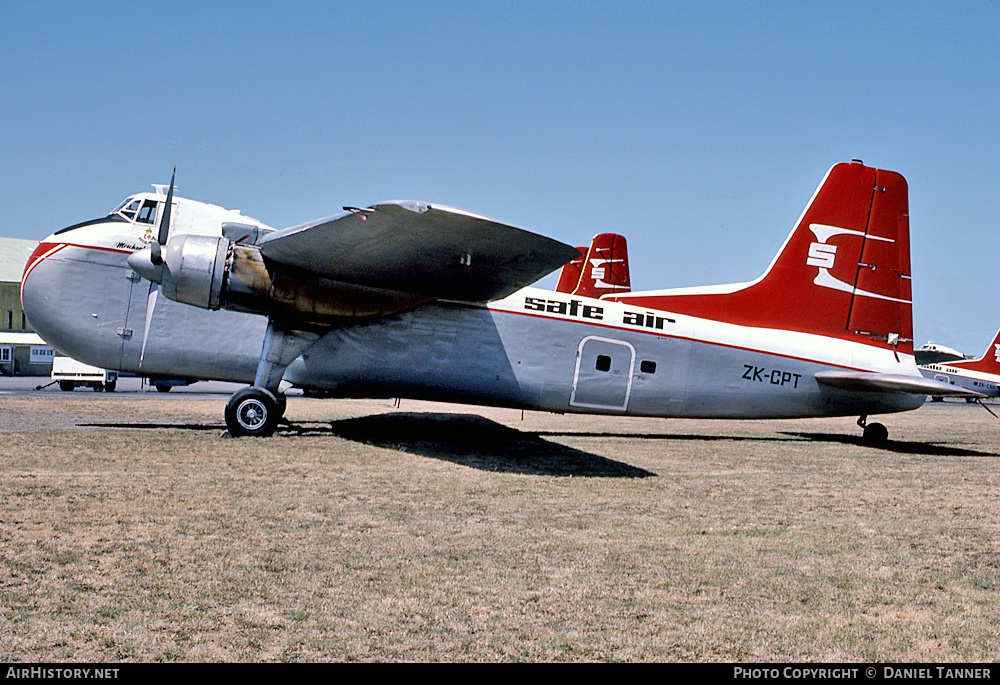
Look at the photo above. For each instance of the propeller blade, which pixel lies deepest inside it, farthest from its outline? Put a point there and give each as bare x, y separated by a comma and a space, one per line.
150, 306
156, 255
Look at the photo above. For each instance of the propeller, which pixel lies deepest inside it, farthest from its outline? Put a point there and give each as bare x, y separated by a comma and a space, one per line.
156, 255
154, 274
150, 305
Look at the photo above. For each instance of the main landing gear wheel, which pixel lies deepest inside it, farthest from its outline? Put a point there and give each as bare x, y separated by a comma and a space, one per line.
253, 412
873, 433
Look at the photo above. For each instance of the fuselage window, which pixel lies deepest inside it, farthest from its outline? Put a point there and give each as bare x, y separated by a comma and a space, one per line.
603, 362
147, 214
647, 366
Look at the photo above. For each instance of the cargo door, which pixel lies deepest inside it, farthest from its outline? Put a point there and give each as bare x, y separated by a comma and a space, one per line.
603, 375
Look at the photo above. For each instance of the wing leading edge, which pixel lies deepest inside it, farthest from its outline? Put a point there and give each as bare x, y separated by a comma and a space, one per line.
415, 247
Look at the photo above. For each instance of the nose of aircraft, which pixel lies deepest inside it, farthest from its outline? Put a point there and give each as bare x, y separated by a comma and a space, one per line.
37, 292
76, 298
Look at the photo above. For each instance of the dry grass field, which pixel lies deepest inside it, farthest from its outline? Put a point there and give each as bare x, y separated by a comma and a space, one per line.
131, 530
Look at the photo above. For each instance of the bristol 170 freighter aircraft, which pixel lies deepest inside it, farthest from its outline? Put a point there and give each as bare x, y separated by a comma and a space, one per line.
981, 375
415, 300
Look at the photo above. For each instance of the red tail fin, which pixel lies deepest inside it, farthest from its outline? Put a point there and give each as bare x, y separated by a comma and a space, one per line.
569, 276
605, 270
988, 363
844, 270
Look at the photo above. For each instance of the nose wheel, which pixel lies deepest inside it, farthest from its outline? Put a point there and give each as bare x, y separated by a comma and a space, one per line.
254, 412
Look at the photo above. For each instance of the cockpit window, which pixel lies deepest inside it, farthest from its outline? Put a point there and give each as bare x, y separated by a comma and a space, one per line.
147, 214
129, 212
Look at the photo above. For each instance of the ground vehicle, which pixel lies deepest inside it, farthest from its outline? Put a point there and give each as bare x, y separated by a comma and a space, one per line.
70, 373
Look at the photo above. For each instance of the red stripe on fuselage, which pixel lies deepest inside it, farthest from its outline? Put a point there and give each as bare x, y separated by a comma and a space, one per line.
45, 250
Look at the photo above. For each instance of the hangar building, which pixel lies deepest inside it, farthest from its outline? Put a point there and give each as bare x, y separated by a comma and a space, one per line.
22, 352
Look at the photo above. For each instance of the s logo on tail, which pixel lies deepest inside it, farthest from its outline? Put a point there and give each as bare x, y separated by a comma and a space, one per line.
823, 256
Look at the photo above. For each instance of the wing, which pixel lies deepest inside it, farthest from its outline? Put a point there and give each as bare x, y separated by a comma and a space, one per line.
419, 248
891, 382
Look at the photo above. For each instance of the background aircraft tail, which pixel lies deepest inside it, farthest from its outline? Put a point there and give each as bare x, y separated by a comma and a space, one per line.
988, 363
569, 276
600, 270
844, 271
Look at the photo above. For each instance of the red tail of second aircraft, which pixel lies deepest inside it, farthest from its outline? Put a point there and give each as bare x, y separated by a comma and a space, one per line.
569, 276
600, 270
844, 271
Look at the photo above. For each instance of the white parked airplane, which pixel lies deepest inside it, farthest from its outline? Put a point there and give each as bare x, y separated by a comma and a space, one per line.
408, 299
981, 375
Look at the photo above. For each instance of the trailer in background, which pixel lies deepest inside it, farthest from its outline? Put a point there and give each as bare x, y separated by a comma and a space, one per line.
72, 374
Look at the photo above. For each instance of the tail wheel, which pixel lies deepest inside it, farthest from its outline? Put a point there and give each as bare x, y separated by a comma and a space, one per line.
875, 434
252, 412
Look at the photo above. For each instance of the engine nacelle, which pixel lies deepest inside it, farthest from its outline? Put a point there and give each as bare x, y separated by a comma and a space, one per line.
192, 270
294, 294
195, 270
213, 273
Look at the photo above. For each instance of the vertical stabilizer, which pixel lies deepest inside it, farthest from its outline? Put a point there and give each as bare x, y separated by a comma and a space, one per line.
988, 363
844, 270
605, 269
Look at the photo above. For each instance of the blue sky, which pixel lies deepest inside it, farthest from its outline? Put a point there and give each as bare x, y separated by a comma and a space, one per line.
698, 130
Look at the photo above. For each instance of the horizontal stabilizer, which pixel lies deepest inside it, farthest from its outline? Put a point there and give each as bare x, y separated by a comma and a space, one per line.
892, 382
415, 247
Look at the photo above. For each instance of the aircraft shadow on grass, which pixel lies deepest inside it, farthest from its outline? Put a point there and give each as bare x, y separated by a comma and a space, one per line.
901, 446
480, 443
464, 439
